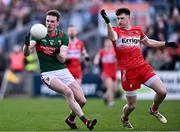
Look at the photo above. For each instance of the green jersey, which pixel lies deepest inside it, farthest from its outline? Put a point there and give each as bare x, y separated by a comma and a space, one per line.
45, 48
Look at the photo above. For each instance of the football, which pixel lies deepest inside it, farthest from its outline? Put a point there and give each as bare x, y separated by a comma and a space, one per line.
38, 31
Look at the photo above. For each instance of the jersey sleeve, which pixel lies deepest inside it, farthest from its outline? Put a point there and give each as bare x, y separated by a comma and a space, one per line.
142, 35
101, 53
65, 40
82, 46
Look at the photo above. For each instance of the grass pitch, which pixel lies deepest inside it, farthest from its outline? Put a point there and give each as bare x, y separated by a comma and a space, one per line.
49, 115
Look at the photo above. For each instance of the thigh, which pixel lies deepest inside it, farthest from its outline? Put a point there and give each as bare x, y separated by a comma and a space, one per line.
58, 86
78, 92
54, 83
158, 86
65, 76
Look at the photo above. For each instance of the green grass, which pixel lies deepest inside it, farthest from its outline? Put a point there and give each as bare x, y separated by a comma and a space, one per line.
49, 115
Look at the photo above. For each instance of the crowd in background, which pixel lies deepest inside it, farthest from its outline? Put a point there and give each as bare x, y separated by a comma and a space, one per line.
15, 15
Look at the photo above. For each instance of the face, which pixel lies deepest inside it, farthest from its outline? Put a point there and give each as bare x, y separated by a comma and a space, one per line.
108, 44
72, 32
123, 20
51, 23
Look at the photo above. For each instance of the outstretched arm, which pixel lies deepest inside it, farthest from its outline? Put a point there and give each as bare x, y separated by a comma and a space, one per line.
111, 33
154, 43
85, 54
97, 59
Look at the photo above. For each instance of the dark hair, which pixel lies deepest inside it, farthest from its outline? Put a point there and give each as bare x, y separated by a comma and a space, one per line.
123, 10
55, 13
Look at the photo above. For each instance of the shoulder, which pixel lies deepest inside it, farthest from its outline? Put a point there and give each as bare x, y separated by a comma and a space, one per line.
62, 34
116, 28
101, 51
136, 28
80, 41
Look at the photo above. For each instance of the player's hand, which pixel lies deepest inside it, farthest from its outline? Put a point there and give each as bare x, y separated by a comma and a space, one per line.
57, 50
27, 39
104, 16
171, 44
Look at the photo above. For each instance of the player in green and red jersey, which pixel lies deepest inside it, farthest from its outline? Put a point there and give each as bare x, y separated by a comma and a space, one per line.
51, 52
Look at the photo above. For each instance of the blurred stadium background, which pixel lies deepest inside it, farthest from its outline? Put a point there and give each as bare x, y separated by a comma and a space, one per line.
160, 19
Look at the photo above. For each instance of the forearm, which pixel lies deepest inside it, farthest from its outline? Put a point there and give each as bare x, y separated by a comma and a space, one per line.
155, 43
26, 50
61, 58
111, 33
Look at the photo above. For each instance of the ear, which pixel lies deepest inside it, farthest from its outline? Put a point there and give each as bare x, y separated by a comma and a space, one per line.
58, 22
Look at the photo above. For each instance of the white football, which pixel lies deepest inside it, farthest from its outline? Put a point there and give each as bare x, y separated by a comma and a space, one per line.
38, 31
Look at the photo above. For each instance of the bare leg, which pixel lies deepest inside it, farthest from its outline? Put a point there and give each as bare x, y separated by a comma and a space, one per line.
60, 87
129, 107
161, 91
109, 84
79, 96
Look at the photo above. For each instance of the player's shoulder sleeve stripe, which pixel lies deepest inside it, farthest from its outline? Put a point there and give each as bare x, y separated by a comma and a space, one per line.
144, 38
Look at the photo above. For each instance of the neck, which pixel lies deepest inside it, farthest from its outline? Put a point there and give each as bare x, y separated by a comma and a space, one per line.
127, 27
51, 32
72, 38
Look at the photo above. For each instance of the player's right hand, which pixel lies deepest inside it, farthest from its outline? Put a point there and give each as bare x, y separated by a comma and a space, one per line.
27, 39
104, 16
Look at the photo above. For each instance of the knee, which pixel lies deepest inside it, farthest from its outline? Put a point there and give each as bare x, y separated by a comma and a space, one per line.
68, 93
82, 102
131, 107
163, 92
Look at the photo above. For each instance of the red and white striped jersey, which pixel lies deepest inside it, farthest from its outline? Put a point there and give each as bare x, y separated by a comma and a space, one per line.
127, 47
108, 60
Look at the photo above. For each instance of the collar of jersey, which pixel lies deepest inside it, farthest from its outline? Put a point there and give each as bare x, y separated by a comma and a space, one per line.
54, 35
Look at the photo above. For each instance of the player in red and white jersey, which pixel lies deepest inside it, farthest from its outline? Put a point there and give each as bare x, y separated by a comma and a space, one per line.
76, 48
134, 70
107, 57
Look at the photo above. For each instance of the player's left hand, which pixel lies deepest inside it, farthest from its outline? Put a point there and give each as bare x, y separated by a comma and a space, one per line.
171, 44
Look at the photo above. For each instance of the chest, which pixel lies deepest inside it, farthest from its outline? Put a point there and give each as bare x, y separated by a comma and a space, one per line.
51, 42
75, 45
128, 38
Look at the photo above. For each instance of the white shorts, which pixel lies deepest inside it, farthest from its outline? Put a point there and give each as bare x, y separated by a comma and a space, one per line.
64, 75
147, 83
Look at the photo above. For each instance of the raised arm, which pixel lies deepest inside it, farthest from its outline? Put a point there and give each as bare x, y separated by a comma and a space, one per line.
111, 33
28, 45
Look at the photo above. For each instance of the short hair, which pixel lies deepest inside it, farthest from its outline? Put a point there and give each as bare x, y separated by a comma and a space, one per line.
123, 11
55, 13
